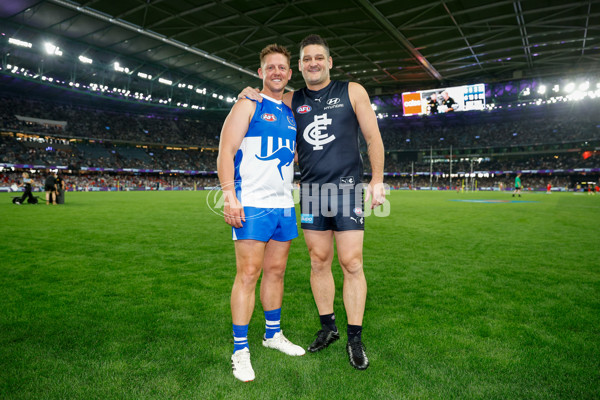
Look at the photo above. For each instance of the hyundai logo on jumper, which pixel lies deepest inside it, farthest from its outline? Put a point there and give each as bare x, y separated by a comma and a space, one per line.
330, 200
333, 103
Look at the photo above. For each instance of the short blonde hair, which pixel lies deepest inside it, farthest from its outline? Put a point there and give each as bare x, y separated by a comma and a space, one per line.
274, 48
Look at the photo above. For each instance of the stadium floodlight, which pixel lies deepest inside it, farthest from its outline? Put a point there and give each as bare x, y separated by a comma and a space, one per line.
526, 91
52, 49
555, 88
165, 81
18, 42
569, 87
541, 89
214, 95
118, 68
85, 59
584, 86
190, 87
578, 95
220, 97
374, 107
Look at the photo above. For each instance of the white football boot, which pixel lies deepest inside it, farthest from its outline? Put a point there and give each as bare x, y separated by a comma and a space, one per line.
242, 368
281, 343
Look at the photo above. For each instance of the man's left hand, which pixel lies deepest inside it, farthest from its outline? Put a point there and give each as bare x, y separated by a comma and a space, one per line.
376, 192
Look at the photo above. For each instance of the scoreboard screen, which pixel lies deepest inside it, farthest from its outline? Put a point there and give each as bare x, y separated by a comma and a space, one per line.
435, 101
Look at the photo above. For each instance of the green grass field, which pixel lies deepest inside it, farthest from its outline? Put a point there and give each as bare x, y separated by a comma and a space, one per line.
126, 296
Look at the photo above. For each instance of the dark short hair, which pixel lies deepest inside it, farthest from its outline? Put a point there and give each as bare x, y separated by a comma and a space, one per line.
274, 48
314, 39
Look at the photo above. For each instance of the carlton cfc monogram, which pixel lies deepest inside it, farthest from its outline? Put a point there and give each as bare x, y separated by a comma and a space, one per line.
313, 135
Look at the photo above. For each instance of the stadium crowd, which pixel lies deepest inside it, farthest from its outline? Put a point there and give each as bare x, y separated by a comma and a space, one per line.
122, 182
126, 182
95, 137
548, 124
92, 122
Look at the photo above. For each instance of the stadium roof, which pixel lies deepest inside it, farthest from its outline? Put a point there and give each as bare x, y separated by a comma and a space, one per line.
389, 46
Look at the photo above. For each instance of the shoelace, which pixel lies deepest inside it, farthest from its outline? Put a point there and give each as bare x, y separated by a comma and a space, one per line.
322, 334
283, 339
358, 347
244, 362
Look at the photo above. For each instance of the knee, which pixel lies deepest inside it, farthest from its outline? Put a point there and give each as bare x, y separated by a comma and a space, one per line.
351, 265
248, 275
320, 262
274, 272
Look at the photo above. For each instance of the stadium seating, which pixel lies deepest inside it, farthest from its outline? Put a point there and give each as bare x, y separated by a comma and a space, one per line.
548, 137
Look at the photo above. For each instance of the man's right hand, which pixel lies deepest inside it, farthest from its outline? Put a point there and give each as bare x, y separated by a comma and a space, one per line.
250, 93
233, 212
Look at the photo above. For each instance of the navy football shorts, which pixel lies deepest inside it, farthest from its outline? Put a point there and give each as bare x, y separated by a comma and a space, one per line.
330, 209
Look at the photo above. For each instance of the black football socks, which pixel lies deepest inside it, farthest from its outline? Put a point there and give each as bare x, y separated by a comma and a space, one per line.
328, 322
354, 331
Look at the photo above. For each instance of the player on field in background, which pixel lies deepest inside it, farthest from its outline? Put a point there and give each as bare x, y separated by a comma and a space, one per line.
549, 188
256, 171
518, 185
330, 115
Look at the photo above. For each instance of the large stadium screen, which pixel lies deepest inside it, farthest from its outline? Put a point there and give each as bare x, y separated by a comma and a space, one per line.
457, 98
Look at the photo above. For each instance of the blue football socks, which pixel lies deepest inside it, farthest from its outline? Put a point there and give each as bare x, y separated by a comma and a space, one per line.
272, 324
240, 337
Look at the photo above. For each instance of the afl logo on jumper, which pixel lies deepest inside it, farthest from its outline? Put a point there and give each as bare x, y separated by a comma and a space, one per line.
314, 134
268, 117
303, 109
332, 102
